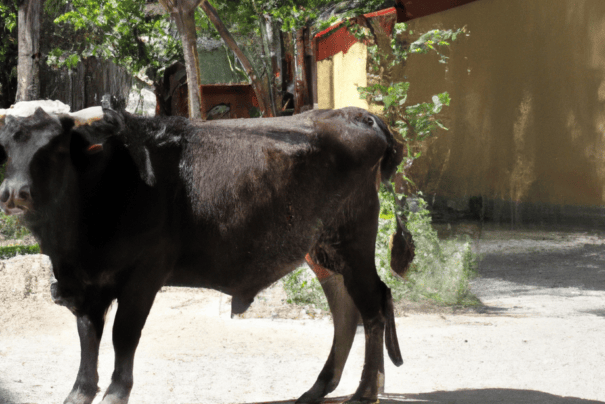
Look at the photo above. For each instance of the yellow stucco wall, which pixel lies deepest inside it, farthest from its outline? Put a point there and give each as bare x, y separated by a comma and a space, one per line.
339, 76
527, 118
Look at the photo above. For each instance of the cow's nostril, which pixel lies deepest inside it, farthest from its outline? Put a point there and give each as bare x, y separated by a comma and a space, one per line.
24, 194
4, 195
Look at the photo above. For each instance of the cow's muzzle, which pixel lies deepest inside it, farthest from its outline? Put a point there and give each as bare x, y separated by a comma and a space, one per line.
15, 200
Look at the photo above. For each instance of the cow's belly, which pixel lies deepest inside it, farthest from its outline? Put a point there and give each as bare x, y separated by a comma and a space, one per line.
243, 261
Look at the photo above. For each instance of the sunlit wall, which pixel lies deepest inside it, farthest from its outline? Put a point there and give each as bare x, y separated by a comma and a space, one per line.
339, 76
527, 118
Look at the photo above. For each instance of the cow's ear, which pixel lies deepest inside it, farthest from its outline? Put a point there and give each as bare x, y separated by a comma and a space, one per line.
40, 114
114, 119
139, 153
142, 159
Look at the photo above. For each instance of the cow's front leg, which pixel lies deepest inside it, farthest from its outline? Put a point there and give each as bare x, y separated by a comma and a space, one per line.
90, 330
134, 303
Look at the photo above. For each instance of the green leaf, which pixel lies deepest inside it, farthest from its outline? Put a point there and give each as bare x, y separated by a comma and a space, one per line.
388, 101
72, 61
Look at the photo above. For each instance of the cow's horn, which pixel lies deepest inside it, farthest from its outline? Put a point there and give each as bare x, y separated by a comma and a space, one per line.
87, 116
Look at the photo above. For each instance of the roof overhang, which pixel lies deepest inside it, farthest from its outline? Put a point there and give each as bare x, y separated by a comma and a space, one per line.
337, 38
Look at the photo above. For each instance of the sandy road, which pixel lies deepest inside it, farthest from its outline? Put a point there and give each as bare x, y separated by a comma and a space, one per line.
539, 339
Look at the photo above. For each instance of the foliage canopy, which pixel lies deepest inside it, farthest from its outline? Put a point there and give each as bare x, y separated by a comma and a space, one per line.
142, 38
127, 32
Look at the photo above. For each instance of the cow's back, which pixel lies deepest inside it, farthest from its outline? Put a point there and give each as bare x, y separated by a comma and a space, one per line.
261, 195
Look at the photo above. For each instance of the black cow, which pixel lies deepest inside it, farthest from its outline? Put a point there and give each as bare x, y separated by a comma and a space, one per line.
126, 205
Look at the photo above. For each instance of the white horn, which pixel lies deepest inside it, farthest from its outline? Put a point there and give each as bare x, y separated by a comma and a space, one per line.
86, 116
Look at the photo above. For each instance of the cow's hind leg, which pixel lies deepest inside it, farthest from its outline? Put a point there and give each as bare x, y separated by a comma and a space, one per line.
345, 317
351, 248
368, 292
90, 330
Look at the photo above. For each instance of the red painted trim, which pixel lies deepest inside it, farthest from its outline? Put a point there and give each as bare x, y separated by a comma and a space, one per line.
386, 11
341, 40
325, 31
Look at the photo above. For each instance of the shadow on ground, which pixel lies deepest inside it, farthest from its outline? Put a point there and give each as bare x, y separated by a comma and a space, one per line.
580, 267
486, 396
5, 395
483, 396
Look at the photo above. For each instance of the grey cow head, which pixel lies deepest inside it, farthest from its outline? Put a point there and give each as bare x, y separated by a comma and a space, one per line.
38, 150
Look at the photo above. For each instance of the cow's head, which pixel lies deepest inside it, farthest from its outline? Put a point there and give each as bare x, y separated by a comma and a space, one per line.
39, 151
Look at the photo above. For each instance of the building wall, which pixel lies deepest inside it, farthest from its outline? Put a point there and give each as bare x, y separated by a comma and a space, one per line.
527, 117
339, 76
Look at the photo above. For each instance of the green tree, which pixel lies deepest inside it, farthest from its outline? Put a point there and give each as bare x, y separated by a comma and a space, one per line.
130, 33
8, 52
414, 123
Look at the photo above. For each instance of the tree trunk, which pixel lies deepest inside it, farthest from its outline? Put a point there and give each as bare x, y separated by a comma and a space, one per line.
266, 37
301, 93
185, 23
261, 95
288, 69
183, 13
275, 48
28, 67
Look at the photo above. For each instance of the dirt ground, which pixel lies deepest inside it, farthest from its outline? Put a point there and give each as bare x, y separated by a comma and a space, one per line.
537, 339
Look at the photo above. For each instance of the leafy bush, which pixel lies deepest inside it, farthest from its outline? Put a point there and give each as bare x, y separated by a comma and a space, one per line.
303, 288
11, 251
441, 269
10, 227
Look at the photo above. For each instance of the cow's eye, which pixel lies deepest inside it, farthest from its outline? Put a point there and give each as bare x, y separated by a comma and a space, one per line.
20, 136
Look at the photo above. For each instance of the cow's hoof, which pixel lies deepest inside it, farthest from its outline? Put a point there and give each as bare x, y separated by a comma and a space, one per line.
316, 393
359, 398
77, 397
111, 399
362, 400
309, 398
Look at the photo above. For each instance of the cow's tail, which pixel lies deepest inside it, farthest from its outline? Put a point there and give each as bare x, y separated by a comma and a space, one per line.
390, 332
401, 243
